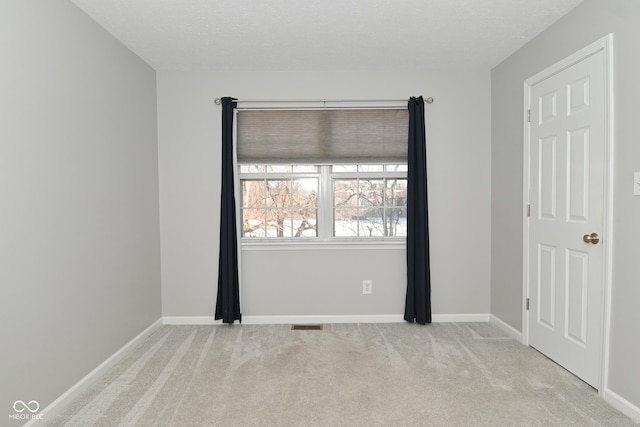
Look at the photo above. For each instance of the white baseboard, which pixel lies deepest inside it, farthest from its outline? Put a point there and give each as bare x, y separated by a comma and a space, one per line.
190, 320
57, 405
513, 332
279, 320
460, 318
284, 320
622, 405
266, 320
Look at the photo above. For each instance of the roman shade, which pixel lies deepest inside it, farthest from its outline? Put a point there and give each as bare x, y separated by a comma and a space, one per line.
322, 136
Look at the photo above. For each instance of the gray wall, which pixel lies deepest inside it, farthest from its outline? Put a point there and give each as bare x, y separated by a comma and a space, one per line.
306, 283
320, 281
79, 227
588, 22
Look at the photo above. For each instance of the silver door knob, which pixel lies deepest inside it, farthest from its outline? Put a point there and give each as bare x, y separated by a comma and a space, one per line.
592, 238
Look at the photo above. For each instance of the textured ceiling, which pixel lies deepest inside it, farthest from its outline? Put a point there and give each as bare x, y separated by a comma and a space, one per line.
324, 34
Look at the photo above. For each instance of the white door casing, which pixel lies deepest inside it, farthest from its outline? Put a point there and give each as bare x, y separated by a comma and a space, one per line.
566, 186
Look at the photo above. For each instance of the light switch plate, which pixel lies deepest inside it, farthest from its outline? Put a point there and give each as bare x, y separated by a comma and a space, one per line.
636, 184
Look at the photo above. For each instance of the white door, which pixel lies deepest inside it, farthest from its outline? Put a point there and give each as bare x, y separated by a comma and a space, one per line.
566, 196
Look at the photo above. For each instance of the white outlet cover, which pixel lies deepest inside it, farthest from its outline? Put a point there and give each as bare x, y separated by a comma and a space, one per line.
367, 287
636, 184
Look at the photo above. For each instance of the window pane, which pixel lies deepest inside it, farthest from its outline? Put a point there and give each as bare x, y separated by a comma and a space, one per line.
370, 168
304, 168
278, 193
304, 223
256, 168
371, 191
278, 168
305, 192
345, 192
253, 193
396, 192
371, 227
279, 223
346, 222
396, 168
253, 222
344, 168
252, 168
371, 222
395, 222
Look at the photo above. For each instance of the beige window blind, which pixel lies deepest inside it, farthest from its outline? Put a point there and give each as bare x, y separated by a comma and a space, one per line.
323, 136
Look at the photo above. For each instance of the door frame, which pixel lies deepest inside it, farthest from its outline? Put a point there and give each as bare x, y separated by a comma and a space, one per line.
605, 44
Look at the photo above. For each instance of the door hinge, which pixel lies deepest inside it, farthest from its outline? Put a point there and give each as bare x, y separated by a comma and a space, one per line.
529, 210
527, 304
529, 116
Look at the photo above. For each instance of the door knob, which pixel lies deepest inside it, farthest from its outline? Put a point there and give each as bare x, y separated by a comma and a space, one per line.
592, 238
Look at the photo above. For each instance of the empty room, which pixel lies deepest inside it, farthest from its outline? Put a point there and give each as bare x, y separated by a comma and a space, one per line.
319, 213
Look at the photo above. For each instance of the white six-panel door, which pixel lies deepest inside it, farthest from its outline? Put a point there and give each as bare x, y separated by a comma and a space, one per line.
566, 196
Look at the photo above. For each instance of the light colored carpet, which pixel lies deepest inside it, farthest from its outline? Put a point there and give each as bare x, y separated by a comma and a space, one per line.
456, 374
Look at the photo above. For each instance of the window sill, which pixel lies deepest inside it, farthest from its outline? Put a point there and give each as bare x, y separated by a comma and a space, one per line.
337, 244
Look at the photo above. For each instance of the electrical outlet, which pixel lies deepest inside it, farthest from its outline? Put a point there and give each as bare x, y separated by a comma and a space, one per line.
367, 287
636, 184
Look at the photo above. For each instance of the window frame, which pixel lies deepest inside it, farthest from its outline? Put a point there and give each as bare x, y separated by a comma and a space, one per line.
325, 202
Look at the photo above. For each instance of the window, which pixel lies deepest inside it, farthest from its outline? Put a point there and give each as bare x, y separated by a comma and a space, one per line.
323, 175
323, 202
279, 201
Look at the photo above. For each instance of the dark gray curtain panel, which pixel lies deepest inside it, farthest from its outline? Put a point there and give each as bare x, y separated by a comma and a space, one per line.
418, 301
228, 302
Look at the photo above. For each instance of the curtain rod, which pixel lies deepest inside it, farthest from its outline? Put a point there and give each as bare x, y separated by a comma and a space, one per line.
218, 101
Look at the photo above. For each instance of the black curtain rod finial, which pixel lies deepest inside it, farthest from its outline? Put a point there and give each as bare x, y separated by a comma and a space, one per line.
218, 101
